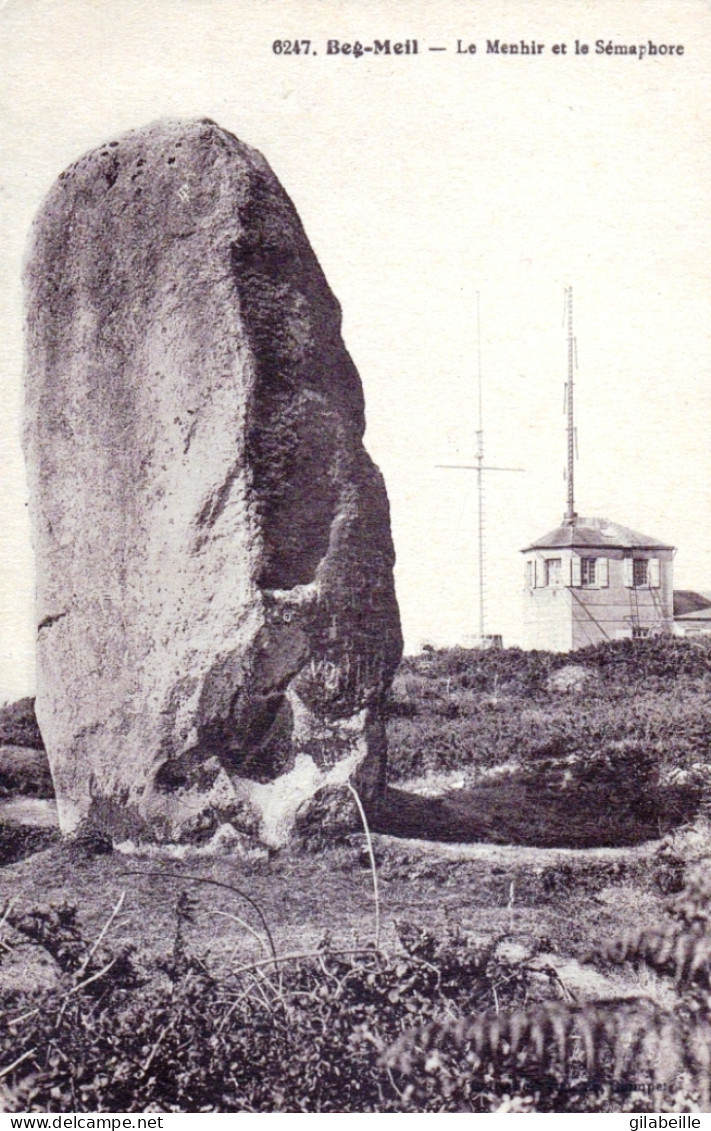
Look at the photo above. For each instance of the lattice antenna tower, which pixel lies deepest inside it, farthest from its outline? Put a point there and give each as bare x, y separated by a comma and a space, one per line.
479, 467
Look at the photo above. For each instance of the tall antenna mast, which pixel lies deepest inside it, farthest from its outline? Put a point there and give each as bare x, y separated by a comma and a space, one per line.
570, 514
480, 468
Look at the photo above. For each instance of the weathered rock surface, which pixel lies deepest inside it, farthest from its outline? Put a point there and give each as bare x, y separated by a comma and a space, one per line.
217, 624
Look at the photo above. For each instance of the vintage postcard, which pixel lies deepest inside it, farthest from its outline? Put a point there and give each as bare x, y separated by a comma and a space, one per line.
355, 558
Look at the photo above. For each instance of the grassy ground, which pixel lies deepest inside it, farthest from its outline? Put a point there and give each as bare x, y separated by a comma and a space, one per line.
610, 747
496, 928
590, 785
530, 895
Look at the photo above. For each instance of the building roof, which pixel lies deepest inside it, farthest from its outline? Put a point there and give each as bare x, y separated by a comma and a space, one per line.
595, 533
687, 602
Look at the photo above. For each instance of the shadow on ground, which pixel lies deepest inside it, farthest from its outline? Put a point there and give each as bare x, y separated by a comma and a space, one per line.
545, 805
520, 812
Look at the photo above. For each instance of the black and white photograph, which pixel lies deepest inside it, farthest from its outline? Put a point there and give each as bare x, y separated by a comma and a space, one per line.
355, 558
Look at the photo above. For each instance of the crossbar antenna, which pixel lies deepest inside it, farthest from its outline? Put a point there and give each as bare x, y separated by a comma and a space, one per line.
479, 467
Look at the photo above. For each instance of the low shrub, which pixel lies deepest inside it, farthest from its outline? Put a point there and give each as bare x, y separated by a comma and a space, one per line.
474, 710
20, 841
303, 1035
622, 1054
442, 1024
18, 725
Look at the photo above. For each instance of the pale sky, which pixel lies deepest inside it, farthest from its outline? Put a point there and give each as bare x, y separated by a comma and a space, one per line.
422, 180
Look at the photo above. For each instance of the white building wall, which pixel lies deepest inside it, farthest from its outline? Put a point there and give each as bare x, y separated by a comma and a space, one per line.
618, 610
547, 614
571, 615
690, 627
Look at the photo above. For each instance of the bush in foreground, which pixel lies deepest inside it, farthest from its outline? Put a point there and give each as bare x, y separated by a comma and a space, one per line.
438, 1026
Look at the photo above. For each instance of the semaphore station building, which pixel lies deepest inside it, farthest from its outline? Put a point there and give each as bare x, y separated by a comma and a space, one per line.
591, 580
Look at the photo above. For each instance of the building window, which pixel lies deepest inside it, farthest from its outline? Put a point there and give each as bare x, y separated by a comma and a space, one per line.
531, 573
553, 571
639, 572
588, 571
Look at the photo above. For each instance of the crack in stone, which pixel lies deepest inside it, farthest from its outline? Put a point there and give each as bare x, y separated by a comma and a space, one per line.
49, 621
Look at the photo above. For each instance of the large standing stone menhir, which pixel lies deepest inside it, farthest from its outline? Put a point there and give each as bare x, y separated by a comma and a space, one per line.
217, 624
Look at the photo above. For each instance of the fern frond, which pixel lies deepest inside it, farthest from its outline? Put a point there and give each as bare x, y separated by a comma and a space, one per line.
616, 1037
673, 950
